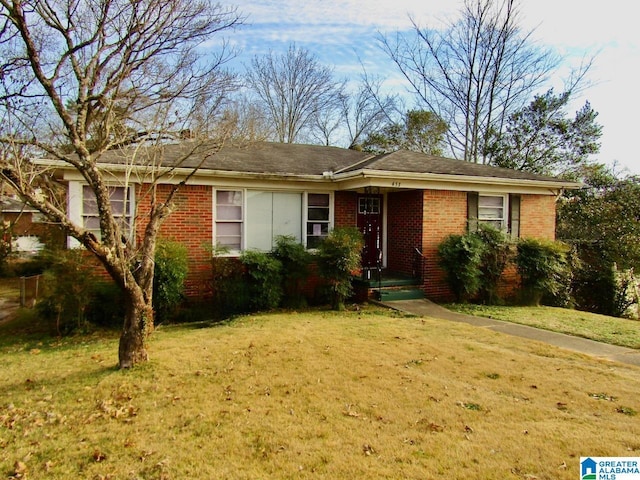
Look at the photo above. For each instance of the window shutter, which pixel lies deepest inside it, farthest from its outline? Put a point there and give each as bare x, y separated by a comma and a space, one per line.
514, 215
472, 211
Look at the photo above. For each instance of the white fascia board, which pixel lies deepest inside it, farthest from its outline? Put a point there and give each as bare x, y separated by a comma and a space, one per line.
217, 178
335, 181
433, 181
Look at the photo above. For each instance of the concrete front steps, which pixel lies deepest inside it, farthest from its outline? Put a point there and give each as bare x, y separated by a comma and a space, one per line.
391, 294
387, 287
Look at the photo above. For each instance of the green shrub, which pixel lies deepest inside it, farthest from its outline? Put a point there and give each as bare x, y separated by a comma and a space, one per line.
36, 265
67, 291
494, 259
339, 257
543, 267
106, 306
171, 268
295, 260
263, 279
461, 259
599, 286
230, 295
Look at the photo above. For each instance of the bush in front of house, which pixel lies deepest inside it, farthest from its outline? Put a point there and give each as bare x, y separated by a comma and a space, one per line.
495, 256
67, 290
338, 257
263, 278
544, 269
171, 268
230, 295
461, 259
106, 306
295, 261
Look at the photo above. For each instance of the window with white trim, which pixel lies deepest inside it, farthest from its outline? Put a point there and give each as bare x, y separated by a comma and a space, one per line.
121, 208
318, 218
252, 219
228, 218
492, 210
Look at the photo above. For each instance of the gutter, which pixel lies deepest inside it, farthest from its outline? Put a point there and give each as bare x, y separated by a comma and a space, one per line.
451, 178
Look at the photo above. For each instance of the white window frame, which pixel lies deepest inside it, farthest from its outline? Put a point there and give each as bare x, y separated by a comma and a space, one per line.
241, 220
492, 220
75, 207
314, 224
305, 221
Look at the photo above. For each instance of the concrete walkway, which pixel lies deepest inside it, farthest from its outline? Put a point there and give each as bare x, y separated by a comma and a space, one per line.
427, 308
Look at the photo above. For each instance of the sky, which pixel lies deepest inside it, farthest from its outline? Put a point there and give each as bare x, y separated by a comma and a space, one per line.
343, 35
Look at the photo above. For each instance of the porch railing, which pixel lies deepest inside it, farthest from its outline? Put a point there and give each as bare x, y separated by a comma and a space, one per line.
418, 265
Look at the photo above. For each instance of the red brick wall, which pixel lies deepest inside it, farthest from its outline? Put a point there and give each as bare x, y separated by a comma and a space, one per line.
538, 216
414, 218
346, 209
404, 227
191, 223
444, 213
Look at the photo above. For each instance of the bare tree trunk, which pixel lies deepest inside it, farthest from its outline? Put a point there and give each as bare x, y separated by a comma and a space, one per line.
138, 324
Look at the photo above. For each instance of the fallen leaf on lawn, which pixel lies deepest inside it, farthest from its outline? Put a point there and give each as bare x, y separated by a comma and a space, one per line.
19, 469
99, 456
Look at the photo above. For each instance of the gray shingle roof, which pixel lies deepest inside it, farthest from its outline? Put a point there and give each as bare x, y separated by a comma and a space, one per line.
300, 160
258, 157
415, 162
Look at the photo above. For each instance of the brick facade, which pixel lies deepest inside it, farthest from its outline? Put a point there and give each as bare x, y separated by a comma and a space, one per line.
191, 224
346, 209
444, 213
415, 219
538, 216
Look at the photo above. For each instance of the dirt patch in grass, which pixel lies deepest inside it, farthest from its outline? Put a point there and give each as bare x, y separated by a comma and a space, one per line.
366, 394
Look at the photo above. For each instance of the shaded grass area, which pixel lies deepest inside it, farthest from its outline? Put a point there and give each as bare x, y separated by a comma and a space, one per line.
616, 331
362, 394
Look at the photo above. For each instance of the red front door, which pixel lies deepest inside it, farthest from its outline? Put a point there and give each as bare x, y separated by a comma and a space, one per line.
370, 225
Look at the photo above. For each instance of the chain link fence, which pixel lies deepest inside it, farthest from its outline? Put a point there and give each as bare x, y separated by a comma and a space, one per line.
30, 290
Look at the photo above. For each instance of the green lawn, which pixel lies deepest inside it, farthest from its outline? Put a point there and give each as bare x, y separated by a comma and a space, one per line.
616, 331
311, 395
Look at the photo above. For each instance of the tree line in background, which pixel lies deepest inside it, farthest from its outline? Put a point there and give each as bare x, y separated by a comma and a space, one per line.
79, 79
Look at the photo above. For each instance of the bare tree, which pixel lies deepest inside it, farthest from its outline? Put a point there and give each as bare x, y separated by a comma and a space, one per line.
368, 110
473, 73
243, 121
294, 88
81, 79
355, 114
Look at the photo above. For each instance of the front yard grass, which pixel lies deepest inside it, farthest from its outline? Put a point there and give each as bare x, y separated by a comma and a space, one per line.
322, 395
616, 331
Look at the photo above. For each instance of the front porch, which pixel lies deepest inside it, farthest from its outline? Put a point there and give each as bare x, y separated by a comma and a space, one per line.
385, 285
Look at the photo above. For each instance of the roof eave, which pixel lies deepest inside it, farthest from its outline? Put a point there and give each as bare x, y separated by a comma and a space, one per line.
414, 179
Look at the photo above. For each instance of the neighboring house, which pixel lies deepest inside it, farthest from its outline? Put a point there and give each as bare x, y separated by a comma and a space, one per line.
404, 202
25, 225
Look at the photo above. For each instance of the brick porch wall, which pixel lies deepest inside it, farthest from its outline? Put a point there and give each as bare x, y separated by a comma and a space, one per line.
404, 229
191, 224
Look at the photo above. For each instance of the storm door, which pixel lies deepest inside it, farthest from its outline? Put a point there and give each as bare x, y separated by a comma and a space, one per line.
370, 224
